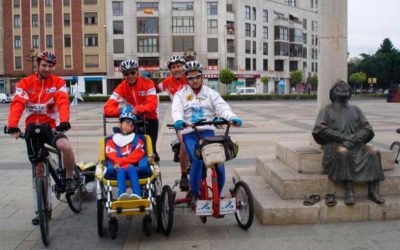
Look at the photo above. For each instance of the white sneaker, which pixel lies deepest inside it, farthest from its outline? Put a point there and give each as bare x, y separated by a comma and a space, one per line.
123, 196
134, 197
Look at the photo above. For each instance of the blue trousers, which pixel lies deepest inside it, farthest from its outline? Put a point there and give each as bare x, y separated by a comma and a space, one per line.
196, 166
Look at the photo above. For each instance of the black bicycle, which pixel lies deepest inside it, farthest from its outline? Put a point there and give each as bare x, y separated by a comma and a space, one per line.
394, 145
43, 186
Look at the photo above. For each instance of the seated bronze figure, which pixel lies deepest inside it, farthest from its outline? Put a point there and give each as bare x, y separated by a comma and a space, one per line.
343, 131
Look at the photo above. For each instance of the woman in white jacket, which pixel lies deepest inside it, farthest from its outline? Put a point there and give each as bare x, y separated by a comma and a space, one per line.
192, 103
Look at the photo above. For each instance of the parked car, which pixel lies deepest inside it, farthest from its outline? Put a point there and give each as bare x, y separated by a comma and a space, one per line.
245, 91
4, 98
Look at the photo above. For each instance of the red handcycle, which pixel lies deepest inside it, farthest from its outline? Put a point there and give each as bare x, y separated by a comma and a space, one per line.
209, 204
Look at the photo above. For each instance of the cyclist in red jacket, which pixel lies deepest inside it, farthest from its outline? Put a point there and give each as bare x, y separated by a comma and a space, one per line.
44, 98
139, 96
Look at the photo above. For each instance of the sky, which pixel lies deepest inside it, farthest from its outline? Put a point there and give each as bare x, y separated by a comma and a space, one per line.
371, 21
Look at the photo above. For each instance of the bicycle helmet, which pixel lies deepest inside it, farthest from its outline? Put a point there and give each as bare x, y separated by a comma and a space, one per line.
47, 56
128, 64
175, 59
127, 115
193, 65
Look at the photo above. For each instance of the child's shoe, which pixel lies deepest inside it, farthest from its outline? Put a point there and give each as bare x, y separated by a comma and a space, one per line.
123, 196
134, 197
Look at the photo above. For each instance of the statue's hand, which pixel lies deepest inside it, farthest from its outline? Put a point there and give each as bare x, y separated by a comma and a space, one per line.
348, 144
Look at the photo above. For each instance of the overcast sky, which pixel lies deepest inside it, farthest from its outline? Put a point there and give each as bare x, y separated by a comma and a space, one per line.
371, 21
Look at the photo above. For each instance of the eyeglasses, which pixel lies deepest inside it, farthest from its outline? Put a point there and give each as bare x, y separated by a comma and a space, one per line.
192, 78
127, 73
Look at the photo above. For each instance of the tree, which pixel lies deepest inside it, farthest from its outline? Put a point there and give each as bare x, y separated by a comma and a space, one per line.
386, 47
264, 79
358, 78
226, 76
295, 77
314, 82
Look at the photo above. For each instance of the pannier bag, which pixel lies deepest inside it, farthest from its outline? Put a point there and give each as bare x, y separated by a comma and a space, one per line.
231, 149
213, 153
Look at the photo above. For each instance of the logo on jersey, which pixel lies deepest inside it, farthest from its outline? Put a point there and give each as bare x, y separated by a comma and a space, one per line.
189, 97
51, 90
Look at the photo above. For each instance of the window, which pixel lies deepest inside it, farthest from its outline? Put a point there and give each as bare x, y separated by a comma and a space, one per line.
17, 3
118, 27
67, 19
149, 62
265, 32
212, 44
67, 62
281, 49
296, 35
253, 13
212, 26
117, 8
265, 16
49, 20
90, 2
17, 42
182, 43
48, 3
279, 16
182, 6
183, 24
304, 38
305, 23
147, 25
35, 21
229, 7
147, 44
231, 63
247, 14
35, 42
247, 46
91, 40
254, 64
293, 65
314, 26
247, 29
213, 64
90, 18
118, 45
305, 52
34, 3
279, 65
17, 21
248, 64
296, 50
49, 41
281, 33
66, 3
91, 61
265, 64
290, 2
254, 47
254, 30
146, 5
230, 45
265, 49
230, 28
18, 62
67, 41
212, 8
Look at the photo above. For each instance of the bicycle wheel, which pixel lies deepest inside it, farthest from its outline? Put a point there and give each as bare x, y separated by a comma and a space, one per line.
244, 205
75, 199
43, 209
166, 216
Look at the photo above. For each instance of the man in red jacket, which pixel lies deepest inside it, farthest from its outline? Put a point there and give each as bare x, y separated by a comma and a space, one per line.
139, 96
45, 100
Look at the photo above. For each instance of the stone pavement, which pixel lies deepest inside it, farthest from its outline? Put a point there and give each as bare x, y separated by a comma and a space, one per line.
265, 124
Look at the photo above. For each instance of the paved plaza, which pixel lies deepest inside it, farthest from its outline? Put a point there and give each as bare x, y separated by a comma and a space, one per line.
266, 122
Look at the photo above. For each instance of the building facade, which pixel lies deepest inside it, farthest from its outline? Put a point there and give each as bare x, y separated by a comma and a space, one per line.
2, 78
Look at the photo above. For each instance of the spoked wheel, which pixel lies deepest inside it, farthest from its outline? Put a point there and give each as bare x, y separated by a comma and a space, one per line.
75, 199
166, 216
43, 208
113, 225
244, 205
147, 225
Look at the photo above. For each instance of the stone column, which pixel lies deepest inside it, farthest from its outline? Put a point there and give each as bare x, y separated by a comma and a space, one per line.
332, 56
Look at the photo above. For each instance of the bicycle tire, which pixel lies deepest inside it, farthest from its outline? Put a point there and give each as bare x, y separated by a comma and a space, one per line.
166, 216
42, 207
243, 221
75, 200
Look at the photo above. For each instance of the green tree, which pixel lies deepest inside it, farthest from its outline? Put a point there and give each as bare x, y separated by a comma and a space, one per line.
295, 77
226, 76
358, 78
313, 82
264, 79
386, 47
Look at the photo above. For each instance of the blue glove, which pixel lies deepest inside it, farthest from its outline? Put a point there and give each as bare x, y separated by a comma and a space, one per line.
218, 120
236, 121
125, 109
179, 125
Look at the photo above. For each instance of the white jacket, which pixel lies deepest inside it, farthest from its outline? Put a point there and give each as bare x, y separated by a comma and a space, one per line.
207, 104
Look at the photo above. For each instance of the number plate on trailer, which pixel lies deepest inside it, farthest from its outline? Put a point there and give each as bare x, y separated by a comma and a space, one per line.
204, 207
227, 206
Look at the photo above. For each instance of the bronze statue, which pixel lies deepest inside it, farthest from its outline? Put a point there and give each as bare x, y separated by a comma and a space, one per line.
343, 131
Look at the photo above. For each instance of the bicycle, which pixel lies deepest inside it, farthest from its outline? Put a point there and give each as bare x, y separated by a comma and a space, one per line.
396, 144
210, 204
42, 192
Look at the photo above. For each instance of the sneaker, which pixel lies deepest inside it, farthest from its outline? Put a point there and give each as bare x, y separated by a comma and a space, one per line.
134, 197
123, 197
70, 186
35, 221
184, 183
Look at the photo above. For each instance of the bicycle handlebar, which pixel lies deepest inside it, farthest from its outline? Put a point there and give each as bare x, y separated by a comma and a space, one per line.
202, 122
21, 135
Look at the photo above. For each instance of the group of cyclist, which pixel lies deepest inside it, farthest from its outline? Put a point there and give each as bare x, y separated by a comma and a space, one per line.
45, 99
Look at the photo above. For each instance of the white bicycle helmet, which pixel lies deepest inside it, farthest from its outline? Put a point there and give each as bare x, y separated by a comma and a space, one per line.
128, 64
193, 65
127, 115
175, 59
47, 56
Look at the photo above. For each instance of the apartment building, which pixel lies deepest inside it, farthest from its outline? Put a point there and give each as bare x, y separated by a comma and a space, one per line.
253, 38
73, 30
2, 79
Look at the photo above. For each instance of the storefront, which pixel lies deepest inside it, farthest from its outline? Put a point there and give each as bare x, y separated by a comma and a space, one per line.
212, 81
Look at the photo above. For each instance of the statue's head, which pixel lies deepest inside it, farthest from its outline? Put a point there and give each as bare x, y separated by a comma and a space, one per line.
341, 91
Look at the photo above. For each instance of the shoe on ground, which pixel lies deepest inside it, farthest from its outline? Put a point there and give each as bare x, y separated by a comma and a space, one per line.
35, 221
123, 197
184, 184
70, 186
134, 197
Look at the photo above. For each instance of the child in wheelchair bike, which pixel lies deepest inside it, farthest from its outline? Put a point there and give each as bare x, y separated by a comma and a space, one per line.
127, 157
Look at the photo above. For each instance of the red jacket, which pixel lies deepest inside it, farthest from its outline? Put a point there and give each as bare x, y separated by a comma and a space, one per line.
127, 155
44, 101
142, 97
171, 85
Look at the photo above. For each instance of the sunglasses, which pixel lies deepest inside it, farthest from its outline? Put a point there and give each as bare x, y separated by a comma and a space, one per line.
127, 73
192, 78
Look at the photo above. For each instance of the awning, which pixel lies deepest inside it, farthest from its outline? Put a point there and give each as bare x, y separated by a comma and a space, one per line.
93, 79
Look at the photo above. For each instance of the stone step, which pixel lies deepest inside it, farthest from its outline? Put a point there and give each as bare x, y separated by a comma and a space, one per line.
304, 157
290, 184
272, 210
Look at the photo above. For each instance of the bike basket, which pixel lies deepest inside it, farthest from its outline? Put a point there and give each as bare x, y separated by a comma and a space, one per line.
213, 153
231, 148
